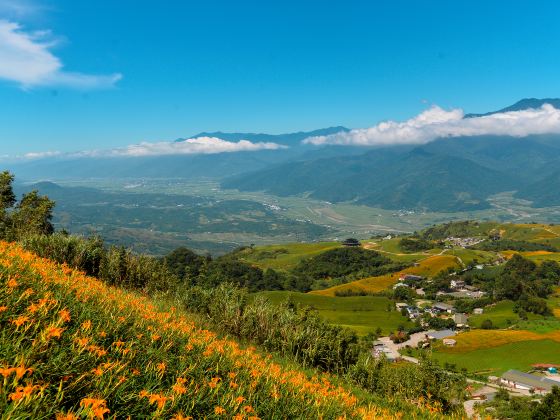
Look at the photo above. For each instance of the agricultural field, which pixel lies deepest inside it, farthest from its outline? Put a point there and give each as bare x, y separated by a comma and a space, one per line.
470, 256
496, 360
429, 266
363, 314
491, 352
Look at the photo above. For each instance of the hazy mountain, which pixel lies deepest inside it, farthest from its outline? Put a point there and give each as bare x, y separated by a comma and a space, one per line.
526, 103
183, 166
289, 139
544, 192
449, 174
392, 178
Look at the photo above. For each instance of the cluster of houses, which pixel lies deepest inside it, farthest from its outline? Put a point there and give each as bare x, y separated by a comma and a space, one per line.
435, 310
462, 242
459, 289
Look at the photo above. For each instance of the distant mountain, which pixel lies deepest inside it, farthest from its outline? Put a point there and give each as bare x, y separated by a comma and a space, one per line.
451, 174
521, 105
288, 139
544, 192
185, 166
392, 178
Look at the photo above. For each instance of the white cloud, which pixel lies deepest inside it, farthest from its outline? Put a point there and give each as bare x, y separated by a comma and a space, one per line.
199, 145
26, 58
40, 155
194, 146
436, 123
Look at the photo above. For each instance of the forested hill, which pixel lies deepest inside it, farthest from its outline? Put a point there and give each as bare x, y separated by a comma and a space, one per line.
446, 175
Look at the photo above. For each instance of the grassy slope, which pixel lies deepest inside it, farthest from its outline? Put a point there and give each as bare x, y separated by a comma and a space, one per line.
499, 314
288, 257
363, 314
69, 345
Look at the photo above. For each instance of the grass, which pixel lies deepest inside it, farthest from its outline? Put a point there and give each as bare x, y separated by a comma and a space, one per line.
428, 267
72, 347
363, 314
397, 257
499, 314
540, 326
496, 360
468, 256
527, 232
554, 302
285, 257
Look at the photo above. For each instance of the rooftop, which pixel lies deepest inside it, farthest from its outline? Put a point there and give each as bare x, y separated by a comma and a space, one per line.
438, 335
533, 381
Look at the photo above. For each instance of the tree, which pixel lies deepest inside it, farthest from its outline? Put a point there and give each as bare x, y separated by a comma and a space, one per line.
549, 408
32, 215
7, 196
7, 200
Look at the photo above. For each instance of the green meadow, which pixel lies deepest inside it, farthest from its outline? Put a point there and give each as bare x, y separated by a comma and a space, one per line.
363, 314
284, 257
496, 360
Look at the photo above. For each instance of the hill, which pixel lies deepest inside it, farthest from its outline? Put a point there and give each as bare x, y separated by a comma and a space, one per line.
391, 178
543, 193
73, 347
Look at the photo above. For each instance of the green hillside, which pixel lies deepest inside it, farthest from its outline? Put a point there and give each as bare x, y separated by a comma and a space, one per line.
72, 347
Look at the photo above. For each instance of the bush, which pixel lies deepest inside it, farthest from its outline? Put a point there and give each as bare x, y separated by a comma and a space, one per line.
487, 324
85, 254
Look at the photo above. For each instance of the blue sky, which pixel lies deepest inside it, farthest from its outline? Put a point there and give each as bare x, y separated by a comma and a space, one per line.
132, 71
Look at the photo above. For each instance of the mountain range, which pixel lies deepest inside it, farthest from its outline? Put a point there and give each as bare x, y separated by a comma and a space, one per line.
445, 175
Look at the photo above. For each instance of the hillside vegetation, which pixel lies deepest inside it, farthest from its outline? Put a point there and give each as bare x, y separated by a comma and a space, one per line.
72, 347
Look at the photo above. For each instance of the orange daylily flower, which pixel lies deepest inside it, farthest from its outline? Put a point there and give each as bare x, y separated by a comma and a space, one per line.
64, 315
20, 320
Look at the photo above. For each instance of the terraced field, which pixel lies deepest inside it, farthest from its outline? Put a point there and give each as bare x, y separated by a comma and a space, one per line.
429, 266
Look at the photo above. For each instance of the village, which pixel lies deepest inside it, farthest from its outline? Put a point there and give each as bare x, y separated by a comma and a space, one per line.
440, 318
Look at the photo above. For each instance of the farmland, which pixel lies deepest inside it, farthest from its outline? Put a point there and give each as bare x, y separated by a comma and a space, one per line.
496, 360
429, 266
363, 314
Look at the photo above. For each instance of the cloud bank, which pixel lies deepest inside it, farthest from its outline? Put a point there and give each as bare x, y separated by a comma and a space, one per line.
199, 145
435, 123
26, 58
194, 146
